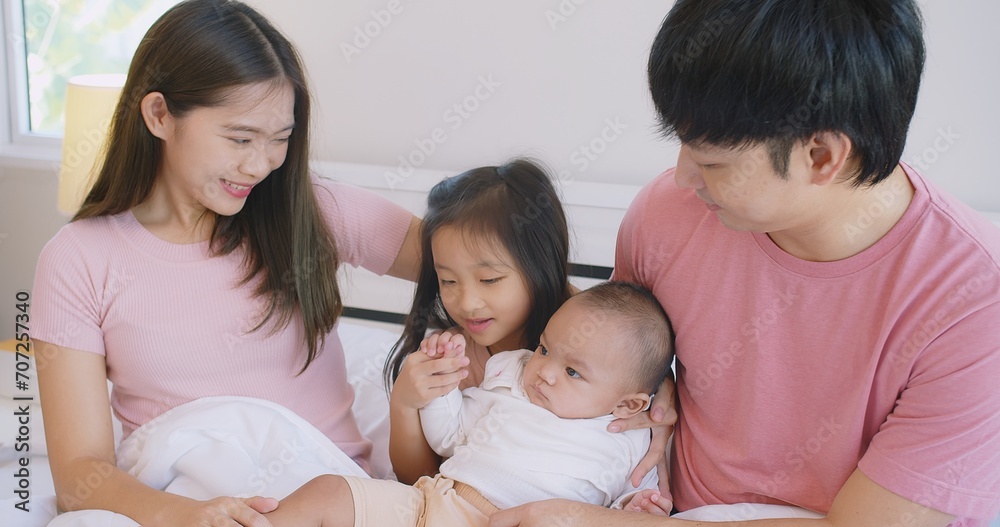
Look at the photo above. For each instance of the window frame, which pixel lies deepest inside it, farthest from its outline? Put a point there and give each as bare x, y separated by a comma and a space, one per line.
19, 146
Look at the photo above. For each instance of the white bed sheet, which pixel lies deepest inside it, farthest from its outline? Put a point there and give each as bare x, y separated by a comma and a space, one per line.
365, 347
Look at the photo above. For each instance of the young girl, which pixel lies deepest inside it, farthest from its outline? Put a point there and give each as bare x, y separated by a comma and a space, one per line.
534, 430
203, 262
496, 265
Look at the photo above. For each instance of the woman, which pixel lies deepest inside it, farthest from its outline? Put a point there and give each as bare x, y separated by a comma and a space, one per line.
203, 262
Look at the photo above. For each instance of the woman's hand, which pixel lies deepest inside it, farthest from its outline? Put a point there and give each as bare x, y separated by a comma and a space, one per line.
221, 512
432, 371
649, 501
661, 418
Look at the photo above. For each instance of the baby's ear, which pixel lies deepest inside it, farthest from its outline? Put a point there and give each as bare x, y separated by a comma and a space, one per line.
631, 405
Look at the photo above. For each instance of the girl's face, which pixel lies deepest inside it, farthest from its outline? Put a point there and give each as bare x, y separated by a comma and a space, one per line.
481, 289
214, 156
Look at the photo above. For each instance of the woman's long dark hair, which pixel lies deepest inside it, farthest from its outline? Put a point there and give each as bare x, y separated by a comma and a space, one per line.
514, 205
196, 54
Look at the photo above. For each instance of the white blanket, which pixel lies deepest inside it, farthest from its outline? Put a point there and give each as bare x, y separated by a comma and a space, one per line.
222, 446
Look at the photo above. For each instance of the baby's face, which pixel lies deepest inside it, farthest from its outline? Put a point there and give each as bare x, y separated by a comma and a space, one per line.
577, 371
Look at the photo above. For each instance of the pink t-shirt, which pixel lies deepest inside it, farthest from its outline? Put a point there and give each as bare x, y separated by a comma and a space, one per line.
173, 322
792, 374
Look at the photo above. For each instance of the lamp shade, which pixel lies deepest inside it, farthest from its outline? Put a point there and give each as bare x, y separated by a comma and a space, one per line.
90, 106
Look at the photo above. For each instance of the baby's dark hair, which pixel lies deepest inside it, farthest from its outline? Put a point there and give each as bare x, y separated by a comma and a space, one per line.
635, 312
513, 206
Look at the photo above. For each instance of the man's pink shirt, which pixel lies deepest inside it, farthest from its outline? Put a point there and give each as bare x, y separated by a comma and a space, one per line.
792, 374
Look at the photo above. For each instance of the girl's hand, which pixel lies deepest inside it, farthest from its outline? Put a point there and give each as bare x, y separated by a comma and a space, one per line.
649, 501
218, 512
423, 378
661, 417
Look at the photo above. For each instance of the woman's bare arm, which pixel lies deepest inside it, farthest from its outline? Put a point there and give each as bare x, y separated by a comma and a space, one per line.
80, 437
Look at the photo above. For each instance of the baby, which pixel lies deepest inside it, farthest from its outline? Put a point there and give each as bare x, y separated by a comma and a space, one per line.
535, 429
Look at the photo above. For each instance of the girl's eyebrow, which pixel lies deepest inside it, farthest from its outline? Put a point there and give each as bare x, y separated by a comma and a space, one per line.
253, 129
493, 265
483, 264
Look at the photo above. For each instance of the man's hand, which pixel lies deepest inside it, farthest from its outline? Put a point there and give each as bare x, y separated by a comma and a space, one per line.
661, 418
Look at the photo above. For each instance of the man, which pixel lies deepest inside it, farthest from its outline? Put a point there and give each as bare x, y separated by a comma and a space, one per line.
837, 316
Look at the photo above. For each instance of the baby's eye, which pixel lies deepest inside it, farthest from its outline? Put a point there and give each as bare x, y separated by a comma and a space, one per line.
543, 350
573, 373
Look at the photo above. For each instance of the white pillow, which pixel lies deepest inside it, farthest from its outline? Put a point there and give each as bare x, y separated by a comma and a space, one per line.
366, 347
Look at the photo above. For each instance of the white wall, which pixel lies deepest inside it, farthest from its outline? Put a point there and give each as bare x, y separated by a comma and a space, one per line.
558, 85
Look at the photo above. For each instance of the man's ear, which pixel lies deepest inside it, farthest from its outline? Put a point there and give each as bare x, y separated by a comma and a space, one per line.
829, 154
632, 404
160, 122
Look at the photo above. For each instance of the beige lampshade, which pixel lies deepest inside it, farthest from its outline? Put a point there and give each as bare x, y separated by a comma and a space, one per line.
90, 105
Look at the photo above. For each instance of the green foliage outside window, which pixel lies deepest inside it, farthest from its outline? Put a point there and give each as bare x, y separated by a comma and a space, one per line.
64, 38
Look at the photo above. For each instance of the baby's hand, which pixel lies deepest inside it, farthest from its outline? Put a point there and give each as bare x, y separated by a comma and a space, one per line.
445, 344
650, 501
435, 369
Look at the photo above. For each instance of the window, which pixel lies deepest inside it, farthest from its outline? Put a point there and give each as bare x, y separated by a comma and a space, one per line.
53, 40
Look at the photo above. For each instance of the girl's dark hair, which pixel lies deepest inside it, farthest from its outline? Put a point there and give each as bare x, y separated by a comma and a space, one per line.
734, 73
514, 205
196, 55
